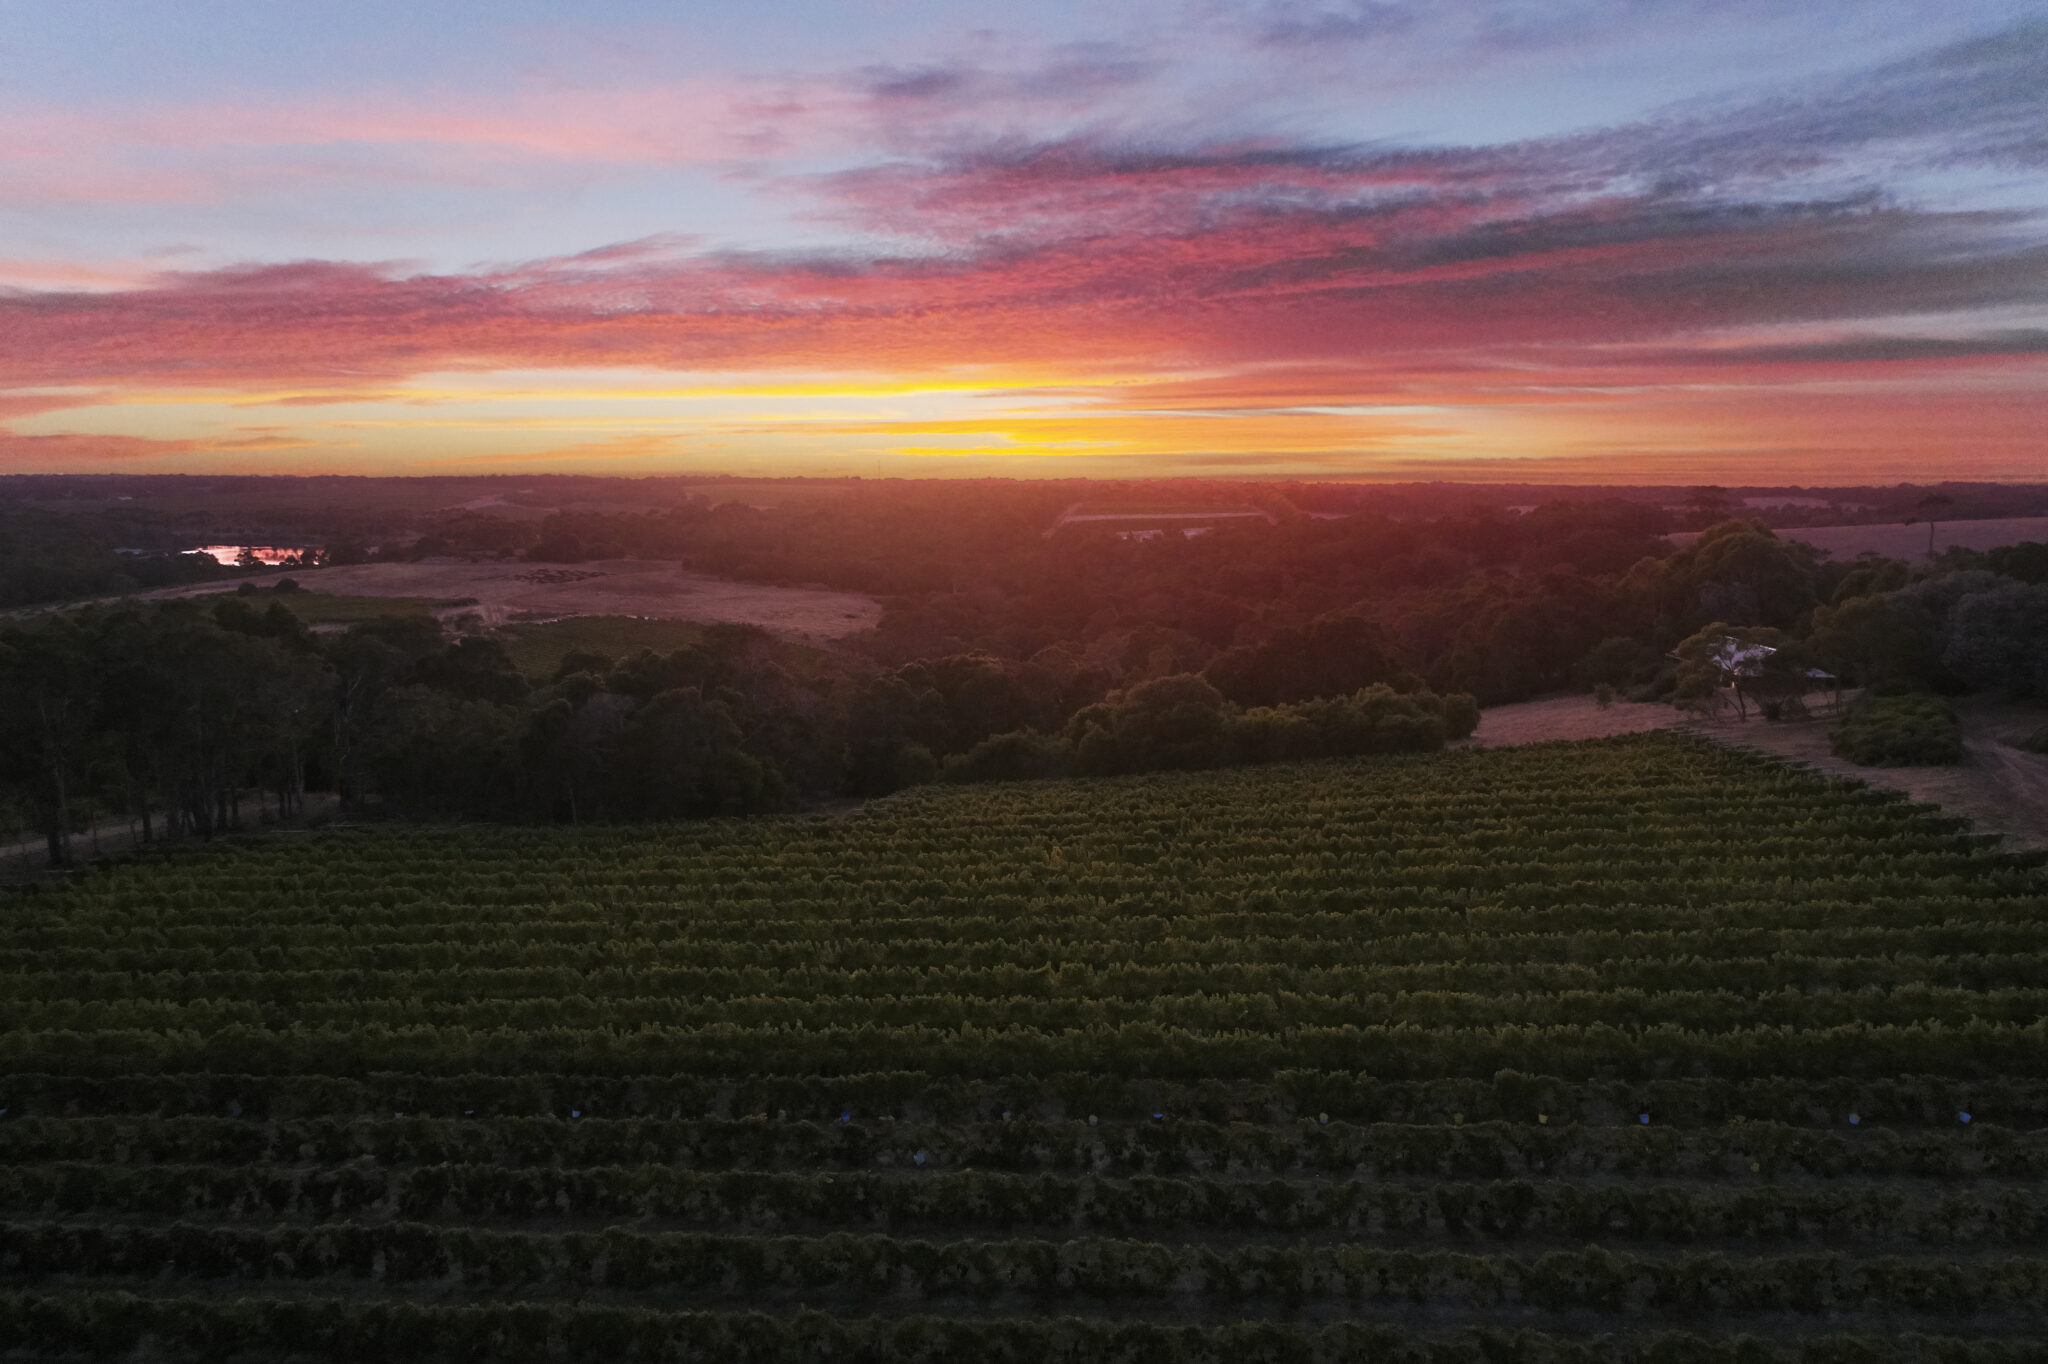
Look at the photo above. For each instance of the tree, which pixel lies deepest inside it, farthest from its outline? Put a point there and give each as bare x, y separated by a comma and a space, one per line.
1737, 572
977, 695
681, 755
1708, 504
1931, 507
1999, 638
1169, 722
434, 753
369, 660
1617, 661
47, 689
1333, 655
476, 669
1755, 663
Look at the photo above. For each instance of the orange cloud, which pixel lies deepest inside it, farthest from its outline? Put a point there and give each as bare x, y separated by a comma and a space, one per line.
275, 442
29, 404
625, 448
67, 450
1243, 301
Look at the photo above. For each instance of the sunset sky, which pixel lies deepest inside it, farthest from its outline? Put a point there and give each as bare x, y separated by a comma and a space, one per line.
1669, 241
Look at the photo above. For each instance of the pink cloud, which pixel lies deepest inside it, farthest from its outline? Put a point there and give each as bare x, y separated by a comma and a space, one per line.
30, 404
638, 445
260, 442
1267, 283
73, 450
219, 150
1320, 292
326, 399
208, 152
25, 274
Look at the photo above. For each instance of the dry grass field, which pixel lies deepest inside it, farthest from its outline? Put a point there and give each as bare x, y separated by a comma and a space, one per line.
512, 593
1899, 541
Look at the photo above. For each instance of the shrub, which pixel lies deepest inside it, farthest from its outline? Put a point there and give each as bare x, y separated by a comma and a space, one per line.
1019, 755
1618, 661
1183, 722
1899, 731
875, 767
1168, 722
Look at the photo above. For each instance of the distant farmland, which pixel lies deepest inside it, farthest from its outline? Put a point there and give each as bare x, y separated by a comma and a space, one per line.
1899, 541
515, 593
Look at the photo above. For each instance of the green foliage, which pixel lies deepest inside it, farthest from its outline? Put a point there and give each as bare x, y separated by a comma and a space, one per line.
2026, 562
539, 650
53, 556
1618, 661
1335, 1059
1183, 722
1166, 723
1907, 639
1017, 756
1704, 656
527, 1333
1872, 579
331, 608
1333, 655
1737, 572
1899, 731
1998, 639
1376, 719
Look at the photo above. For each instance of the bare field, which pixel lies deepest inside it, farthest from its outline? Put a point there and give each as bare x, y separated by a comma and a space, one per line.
1567, 717
1898, 541
1999, 787
512, 593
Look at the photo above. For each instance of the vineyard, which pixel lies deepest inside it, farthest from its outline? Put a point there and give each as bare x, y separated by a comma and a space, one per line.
1632, 1049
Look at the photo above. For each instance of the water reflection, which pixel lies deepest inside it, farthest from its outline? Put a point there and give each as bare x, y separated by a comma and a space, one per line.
273, 555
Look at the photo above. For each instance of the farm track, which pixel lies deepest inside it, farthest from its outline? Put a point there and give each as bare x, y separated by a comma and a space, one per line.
1634, 1049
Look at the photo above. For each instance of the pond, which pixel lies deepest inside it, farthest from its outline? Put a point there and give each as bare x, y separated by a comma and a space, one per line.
265, 554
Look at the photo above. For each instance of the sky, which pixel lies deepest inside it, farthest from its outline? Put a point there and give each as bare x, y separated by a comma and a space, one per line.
1633, 241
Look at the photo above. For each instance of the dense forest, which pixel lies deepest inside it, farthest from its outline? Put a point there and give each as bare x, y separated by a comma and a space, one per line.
1009, 645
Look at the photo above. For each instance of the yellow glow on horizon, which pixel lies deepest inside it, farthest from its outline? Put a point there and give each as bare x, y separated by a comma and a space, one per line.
1248, 421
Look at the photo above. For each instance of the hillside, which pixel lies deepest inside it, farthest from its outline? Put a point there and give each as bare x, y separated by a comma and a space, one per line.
1629, 1048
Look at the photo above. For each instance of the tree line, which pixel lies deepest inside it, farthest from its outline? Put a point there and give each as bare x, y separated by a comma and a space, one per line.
171, 714
1001, 653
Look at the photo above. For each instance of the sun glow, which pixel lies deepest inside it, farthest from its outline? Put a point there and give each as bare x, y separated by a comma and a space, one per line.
949, 261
